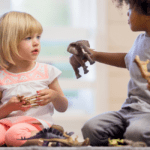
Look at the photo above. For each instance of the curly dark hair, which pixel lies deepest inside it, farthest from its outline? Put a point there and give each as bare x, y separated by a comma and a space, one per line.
141, 6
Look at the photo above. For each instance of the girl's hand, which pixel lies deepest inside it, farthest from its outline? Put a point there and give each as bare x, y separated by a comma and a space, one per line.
55, 95
46, 96
15, 104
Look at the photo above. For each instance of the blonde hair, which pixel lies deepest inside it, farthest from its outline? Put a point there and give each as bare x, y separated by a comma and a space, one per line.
14, 27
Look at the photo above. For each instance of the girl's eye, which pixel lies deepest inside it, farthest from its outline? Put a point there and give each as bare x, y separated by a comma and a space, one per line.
28, 38
38, 37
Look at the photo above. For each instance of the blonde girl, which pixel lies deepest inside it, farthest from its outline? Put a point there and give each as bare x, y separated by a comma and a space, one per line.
20, 74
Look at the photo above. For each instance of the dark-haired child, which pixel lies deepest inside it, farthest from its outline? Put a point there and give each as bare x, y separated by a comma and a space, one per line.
132, 121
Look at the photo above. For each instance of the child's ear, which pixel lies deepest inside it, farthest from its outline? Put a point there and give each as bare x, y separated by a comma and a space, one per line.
148, 18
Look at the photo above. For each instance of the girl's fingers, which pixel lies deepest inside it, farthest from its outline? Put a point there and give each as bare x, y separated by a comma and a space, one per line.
23, 102
44, 102
25, 109
43, 92
42, 97
26, 106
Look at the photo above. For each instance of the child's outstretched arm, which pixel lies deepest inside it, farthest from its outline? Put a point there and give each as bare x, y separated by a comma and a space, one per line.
55, 95
113, 59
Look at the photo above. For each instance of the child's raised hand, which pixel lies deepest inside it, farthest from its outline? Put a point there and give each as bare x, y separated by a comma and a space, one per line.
15, 104
46, 96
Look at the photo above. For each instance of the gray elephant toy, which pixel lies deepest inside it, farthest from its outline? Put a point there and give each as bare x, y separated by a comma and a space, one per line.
80, 53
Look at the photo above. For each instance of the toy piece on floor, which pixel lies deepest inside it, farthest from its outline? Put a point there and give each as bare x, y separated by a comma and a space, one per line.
143, 67
80, 54
57, 137
29, 100
125, 142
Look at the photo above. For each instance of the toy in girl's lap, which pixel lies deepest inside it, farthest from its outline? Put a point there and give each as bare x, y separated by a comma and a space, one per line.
29, 100
80, 51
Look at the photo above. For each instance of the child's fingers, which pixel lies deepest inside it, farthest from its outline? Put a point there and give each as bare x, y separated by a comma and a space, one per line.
43, 97
39, 92
43, 92
20, 103
40, 102
25, 108
23, 102
44, 102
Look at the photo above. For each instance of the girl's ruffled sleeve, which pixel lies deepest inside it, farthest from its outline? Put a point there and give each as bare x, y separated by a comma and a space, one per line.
53, 73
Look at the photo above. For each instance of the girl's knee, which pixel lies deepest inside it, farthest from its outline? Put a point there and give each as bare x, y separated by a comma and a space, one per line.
3, 130
16, 132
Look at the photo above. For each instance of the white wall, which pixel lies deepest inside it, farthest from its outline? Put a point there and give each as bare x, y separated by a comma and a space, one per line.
5, 6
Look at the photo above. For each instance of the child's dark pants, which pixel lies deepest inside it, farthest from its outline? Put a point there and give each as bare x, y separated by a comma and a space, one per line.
125, 123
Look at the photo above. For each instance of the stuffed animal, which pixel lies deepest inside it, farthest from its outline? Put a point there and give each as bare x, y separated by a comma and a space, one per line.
80, 54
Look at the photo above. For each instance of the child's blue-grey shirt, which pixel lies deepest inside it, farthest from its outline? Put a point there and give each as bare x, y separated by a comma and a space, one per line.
138, 94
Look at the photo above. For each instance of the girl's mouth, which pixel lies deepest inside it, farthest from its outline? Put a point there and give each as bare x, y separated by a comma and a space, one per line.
35, 51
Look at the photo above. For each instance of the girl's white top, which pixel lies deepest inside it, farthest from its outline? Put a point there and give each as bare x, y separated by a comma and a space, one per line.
27, 84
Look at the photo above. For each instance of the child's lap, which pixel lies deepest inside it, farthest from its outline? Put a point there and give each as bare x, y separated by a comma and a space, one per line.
3, 129
11, 134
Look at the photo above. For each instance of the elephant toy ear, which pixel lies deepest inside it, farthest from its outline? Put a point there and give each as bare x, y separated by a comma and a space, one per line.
81, 46
83, 42
70, 46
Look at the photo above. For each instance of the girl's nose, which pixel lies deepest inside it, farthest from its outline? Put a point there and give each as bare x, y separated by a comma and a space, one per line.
36, 42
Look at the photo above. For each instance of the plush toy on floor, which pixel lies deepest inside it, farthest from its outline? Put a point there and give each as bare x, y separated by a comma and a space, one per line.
80, 54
